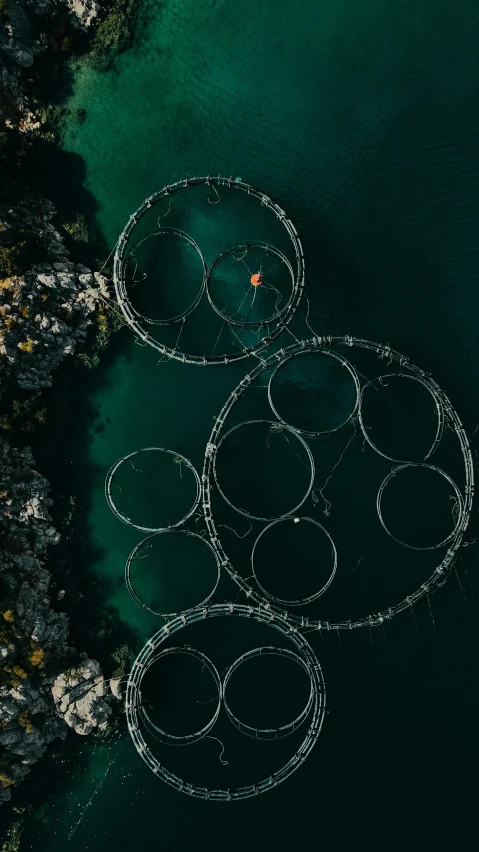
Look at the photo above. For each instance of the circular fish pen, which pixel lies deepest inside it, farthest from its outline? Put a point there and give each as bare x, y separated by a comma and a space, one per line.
268, 733
308, 598
129, 460
183, 739
446, 429
136, 554
457, 493
303, 655
337, 359
272, 426
256, 284
159, 232
262, 308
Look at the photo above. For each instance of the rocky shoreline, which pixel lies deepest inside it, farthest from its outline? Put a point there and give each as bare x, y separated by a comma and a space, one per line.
45, 685
47, 311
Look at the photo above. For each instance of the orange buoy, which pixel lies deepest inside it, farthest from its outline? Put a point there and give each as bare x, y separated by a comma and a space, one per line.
256, 279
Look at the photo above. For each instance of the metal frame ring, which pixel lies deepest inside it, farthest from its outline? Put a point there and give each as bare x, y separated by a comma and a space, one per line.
128, 521
227, 251
446, 476
282, 730
135, 596
154, 232
439, 409
182, 739
327, 354
295, 435
324, 587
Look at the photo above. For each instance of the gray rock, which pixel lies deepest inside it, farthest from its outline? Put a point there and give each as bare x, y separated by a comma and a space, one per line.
79, 696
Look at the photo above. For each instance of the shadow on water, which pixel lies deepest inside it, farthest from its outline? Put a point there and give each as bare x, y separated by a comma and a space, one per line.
61, 176
62, 456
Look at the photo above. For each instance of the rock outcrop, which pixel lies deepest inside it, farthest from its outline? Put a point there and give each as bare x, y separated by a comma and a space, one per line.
46, 687
37, 703
84, 11
20, 23
79, 696
43, 316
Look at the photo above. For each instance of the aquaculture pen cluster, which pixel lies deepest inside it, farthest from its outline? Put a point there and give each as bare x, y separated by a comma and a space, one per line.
303, 655
445, 415
268, 328
263, 605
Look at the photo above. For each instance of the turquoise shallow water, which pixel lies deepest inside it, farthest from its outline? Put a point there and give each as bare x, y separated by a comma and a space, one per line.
362, 121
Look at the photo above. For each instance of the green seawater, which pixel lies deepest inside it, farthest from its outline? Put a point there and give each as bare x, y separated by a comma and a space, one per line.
362, 120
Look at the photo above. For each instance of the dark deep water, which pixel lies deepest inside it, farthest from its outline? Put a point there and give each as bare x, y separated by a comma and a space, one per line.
363, 122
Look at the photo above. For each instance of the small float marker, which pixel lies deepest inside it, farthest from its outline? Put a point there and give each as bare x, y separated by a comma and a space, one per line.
256, 279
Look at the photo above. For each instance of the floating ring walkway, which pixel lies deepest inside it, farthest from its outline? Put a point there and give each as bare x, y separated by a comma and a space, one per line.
426, 383
303, 654
137, 321
445, 414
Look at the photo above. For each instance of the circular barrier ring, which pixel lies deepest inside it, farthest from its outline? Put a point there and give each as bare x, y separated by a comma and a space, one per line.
328, 354
128, 521
168, 192
247, 245
309, 598
268, 733
134, 595
295, 435
183, 739
154, 232
133, 697
441, 571
439, 410
446, 476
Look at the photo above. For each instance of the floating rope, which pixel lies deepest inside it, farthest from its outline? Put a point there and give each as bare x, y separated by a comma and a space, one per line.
327, 503
220, 756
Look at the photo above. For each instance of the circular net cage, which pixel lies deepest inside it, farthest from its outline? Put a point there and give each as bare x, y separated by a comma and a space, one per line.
153, 489
208, 270
337, 484
157, 491
208, 696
